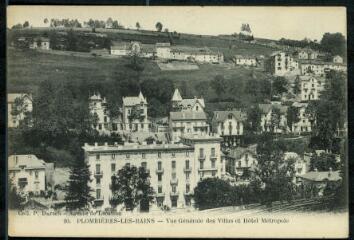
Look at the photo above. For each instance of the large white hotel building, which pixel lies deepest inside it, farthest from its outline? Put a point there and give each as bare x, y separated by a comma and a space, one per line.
175, 169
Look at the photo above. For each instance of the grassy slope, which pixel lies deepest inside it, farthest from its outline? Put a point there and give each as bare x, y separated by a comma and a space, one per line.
27, 68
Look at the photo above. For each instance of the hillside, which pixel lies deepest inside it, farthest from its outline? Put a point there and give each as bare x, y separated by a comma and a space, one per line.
228, 45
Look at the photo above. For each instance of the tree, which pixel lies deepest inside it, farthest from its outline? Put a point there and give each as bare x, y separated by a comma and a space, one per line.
212, 193
279, 86
16, 200
26, 24
158, 26
328, 114
78, 192
335, 43
323, 162
137, 25
275, 120
254, 116
137, 65
45, 20
131, 187
109, 22
274, 173
292, 116
17, 26
219, 85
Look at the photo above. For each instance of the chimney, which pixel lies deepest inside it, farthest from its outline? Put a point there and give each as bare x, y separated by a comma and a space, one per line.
115, 143
96, 144
105, 144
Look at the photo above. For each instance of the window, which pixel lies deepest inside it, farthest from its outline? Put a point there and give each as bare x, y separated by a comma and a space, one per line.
114, 126
187, 154
98, 181
229, 116
213, 173
98, 193
188, 201
173, 164
144, 165
201, 165
113, 167
98, 168
36, 174
174, 175
97, 157
246, 162
105, 119
173, 154
239, 163
113, 156
174, 202
127, 164
187, 176
213, 164
159, 165
143, 155
159, 189
201, 152
188, 188
174, 189
100, 126
213, 152
187, 164
159, 177
142, 126
127, 155
197, 108
159, 154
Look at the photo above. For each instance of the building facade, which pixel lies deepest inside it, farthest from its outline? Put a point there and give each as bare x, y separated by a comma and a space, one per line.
268, 116
40, 43
320, 68
27, 173
245, 60
187, 122
189, 104
241, 162
282, 63
311, 87
229, 125
105, 125
304, 124
18, 105
135, 114
175, 169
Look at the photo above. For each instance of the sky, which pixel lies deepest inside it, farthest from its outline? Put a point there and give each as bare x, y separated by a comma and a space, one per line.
265, 22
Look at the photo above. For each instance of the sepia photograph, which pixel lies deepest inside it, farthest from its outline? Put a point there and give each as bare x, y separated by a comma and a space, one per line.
127, 121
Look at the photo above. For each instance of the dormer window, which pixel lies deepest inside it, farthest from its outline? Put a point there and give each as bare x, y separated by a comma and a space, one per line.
230, 116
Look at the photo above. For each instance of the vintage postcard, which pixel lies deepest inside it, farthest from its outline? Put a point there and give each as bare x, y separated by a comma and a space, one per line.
177, 121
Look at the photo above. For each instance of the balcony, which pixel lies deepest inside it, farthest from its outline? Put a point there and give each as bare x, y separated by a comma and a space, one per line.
187, 169
190, 193
160, 194
174, 194
214, 157
174, 181
98, 174
159, 170
99, 200
207, 169
201, 157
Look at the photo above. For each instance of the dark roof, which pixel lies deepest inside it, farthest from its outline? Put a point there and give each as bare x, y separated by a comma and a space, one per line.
238, 152
187, 115
265, 108
220, 116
